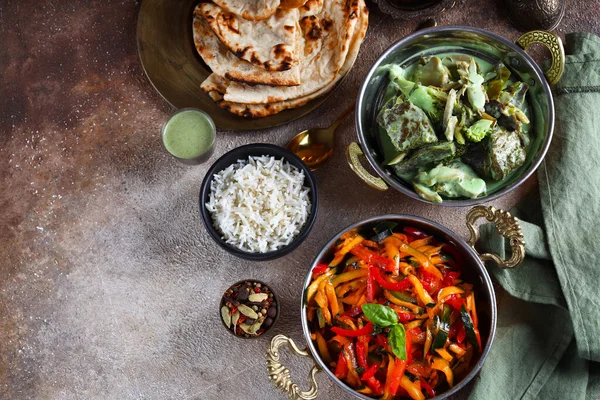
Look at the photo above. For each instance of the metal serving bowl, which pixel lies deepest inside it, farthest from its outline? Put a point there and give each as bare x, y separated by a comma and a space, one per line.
474, 272
475, 42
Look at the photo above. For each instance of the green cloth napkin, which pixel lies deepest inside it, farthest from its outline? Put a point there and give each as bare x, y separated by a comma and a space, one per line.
547, 343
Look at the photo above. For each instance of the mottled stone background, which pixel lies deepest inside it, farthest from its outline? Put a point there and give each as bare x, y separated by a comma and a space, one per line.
109, 284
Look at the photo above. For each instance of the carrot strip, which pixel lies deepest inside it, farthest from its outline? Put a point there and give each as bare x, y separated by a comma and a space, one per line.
421, 293
348, 286
421, 242
323, 349
332, 299
346, 247
448, 291
422, 259
348, 276
442, 365
413, 389
312, 289
412, 307
393, 254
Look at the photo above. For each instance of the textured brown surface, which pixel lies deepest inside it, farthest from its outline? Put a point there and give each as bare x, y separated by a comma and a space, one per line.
109, 283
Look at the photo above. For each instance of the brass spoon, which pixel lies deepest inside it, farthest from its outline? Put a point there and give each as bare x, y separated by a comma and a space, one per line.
315, 146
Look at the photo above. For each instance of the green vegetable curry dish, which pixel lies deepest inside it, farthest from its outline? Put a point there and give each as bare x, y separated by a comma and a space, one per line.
454, 125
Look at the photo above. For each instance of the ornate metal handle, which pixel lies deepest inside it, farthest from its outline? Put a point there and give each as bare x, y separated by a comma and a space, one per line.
353, 151
280, 375
554, 44
507, 226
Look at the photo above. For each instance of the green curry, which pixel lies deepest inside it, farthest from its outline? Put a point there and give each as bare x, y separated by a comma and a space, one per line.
453, 125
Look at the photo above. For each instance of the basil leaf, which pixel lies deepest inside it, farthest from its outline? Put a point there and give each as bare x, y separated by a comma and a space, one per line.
397, 340
380, 315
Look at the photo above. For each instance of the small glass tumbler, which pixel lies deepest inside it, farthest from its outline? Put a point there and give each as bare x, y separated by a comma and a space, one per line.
189, 136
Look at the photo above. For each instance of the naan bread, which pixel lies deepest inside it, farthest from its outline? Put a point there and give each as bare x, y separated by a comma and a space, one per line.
311, 7
216, 86
270, 44
253, 10
289, 4
222, 62
327, 36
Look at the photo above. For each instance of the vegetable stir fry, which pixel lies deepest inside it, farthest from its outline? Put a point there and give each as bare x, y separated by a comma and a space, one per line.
390, 314
453, 127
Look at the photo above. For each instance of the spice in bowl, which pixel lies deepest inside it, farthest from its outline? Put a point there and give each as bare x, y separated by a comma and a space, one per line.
249, 309
259, 204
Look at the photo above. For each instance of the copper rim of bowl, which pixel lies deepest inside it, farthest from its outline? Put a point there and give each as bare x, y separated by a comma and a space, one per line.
396, 184
435, 229
275, 299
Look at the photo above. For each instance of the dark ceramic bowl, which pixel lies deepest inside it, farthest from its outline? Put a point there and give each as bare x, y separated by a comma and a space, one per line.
243, 152
474, 42
275, 299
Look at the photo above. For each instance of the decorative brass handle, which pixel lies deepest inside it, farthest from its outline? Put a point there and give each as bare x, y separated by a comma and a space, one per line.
554, 44
507, 226
280, 375
353, 151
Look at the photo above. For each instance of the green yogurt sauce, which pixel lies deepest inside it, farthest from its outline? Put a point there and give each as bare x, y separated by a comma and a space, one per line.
188, 134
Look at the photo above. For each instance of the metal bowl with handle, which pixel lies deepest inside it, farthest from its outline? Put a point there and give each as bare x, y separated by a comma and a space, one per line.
469, 41
474, 272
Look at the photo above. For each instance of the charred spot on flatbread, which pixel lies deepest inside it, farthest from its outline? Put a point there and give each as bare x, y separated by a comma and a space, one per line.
327, 24
311, 28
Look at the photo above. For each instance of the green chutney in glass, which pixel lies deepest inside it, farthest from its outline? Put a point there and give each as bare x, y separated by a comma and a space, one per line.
189, 134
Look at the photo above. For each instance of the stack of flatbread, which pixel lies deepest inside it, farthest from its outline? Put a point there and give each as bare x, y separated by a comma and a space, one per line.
267, 56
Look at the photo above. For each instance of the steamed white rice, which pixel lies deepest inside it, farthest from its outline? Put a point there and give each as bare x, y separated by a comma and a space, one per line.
259, 204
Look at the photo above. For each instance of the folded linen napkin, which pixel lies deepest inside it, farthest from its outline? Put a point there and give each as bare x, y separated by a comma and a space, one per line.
547, 343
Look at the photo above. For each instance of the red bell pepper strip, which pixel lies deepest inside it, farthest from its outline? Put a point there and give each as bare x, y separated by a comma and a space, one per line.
365, 330
454, 329
461, 335
383, 342
430, 282
428, 389
341, 369
370, 372
417, 334
418, 354
319, 269
362, 350
370, 284
404, 317
455, 301
394, 286
353, 312
369, 377
375, 386
370, 257
399, 368
449, 278
414, 233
